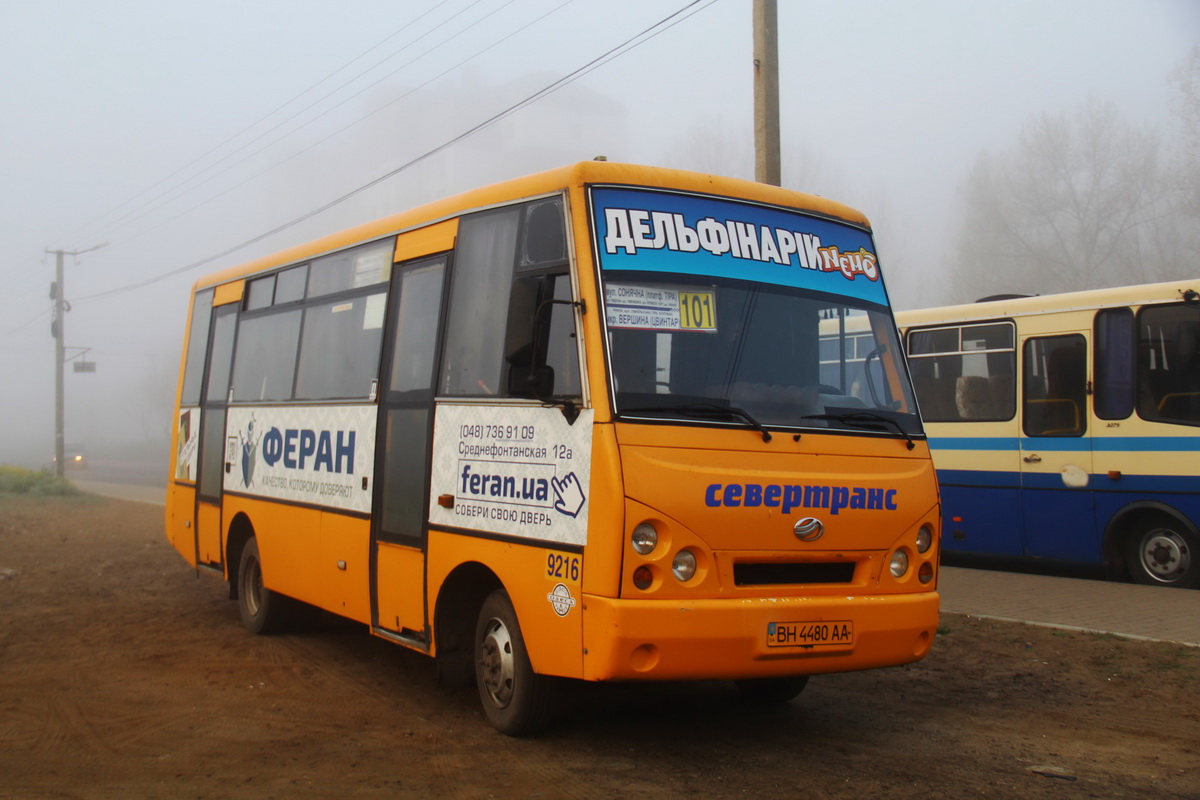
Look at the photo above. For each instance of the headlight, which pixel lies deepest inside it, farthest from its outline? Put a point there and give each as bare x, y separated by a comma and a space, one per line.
899, 564
924, 539
644, 539
684, 565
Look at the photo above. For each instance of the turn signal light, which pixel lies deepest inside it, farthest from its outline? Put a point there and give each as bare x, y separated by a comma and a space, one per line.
643, 577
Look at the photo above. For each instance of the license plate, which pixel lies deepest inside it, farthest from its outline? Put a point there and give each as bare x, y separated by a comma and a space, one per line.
810, 634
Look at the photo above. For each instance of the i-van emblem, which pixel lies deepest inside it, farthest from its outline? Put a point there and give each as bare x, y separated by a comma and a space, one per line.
808, 529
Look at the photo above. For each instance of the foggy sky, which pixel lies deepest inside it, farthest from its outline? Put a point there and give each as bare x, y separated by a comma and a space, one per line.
156, 127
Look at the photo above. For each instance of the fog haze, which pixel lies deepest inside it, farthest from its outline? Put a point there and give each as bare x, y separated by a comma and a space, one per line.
175, 133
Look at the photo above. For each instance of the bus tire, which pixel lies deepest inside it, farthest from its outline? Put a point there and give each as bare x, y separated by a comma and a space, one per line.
1163, 552
516, 700
263, 611
771, 691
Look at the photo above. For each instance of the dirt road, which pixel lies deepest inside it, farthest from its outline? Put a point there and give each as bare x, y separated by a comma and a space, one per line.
124, 675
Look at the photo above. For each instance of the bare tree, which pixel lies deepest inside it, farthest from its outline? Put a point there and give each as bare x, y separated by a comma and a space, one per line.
1185, 132
1083, 201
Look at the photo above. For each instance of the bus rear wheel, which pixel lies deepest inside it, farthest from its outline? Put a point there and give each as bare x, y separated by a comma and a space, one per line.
1164, 553
263, 611
516, 700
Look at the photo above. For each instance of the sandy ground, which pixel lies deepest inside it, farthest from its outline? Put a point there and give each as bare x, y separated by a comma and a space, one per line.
124, 675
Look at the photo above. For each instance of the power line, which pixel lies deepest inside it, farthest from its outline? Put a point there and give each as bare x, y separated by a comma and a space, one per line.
25, 325
267, 116
629, 44
358, 121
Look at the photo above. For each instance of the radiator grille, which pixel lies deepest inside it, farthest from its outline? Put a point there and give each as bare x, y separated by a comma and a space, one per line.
792, 573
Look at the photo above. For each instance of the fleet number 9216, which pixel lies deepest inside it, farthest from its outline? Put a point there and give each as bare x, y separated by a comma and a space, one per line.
810, 634
562, 567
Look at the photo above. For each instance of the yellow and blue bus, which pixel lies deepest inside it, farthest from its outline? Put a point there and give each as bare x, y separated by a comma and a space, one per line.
578, 425
1067, 427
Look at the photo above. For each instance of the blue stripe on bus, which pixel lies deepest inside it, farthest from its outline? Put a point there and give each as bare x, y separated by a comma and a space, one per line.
999, 479
986, 513
1114, 444
1148, 486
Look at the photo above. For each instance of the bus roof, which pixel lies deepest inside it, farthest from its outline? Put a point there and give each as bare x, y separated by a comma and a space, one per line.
1044, 304
581, 173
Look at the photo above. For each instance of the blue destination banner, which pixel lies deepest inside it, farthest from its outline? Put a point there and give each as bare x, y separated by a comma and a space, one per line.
653, 231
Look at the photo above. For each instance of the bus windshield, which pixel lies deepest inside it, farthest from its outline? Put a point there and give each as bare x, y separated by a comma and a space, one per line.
764, 315
785, 357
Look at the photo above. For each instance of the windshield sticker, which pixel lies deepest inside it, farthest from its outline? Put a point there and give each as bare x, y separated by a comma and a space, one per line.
638, 229
655, 308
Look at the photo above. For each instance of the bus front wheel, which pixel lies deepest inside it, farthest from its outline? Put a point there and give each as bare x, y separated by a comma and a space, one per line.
263, 611
1162, 552
516, 700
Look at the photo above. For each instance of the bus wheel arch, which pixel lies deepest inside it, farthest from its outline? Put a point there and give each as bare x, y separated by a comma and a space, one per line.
1157, 546
240, 532
456, 612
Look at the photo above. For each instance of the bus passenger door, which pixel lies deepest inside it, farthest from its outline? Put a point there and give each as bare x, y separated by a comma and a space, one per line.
403, 449
211, 468
1056, 452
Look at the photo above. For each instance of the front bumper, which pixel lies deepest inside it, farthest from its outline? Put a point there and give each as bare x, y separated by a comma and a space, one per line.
726, 639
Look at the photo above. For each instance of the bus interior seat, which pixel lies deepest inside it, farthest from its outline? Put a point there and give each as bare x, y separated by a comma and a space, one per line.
1052, 417
973, 397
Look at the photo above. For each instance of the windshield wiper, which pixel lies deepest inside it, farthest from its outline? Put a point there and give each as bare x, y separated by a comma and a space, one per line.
705, 409
862, 419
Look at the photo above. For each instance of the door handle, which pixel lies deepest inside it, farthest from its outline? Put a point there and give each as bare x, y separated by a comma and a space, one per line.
1032, 458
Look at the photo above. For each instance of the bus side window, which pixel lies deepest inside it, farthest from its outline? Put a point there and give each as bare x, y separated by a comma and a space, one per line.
1059, 364
480, 286
1113, 363
197, 348
964, 373
511, 324
1168, 363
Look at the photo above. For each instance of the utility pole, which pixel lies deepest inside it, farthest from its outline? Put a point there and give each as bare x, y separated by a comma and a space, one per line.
58, 295
766, 92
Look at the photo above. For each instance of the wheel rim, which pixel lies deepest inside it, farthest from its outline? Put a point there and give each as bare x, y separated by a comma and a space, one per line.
1165, 555
496, 662
252, 586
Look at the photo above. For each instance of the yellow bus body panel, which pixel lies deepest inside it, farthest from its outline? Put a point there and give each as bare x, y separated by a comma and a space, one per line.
554, 642
344, 566
208, 521
228, 293
426, 241
181, 504
288, 539
401, 587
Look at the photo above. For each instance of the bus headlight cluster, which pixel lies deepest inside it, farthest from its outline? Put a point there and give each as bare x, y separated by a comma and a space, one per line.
684, 565
924, 539
644, 539
651, 541
902, 557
